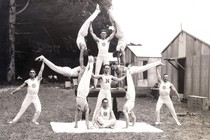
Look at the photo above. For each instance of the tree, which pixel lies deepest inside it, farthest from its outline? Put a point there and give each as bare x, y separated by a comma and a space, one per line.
12, 21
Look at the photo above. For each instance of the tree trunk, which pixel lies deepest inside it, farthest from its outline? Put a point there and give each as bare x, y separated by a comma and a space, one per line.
12, 19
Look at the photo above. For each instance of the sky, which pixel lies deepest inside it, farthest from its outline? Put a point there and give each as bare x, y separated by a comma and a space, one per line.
155, 23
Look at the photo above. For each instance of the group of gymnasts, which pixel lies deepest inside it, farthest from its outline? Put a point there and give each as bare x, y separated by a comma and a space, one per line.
103, 115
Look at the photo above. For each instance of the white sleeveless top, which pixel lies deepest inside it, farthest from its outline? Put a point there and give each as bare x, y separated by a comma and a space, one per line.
33, 86
105, 113
165, 88
103, 46
106, 82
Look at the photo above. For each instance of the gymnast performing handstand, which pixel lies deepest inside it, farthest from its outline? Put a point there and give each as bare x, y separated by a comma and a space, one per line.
83, 32
83, 91
121, 45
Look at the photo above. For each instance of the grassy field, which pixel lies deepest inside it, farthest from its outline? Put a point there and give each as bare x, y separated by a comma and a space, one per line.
58, 104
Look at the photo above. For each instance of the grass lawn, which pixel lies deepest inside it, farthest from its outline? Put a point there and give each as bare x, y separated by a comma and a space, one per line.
58, 105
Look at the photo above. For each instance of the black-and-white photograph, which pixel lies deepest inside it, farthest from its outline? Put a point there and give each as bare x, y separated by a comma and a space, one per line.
104, 69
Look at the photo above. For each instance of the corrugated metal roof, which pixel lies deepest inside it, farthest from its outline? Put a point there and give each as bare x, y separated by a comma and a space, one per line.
141, 51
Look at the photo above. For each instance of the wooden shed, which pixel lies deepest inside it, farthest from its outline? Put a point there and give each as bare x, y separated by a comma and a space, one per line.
139, 56
187, 60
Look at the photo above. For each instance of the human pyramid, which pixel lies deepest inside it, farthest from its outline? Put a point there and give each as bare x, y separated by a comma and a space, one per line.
103, 116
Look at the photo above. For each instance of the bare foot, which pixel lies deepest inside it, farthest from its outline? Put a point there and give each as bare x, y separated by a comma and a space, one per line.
157, 123
98, 8
11, 122
35, 122
178, 123
40, 58
112, 127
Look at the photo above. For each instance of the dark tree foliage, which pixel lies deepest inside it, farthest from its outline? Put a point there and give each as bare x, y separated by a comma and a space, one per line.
50, 27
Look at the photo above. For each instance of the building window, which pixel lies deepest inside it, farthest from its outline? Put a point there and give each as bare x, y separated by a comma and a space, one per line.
145, 72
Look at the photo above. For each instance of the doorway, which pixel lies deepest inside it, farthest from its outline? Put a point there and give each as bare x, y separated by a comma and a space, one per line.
181, 75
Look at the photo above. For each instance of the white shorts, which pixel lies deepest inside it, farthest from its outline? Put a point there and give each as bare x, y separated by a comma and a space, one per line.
75, 71
81, 103
103, 58
129, 105
81, 41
